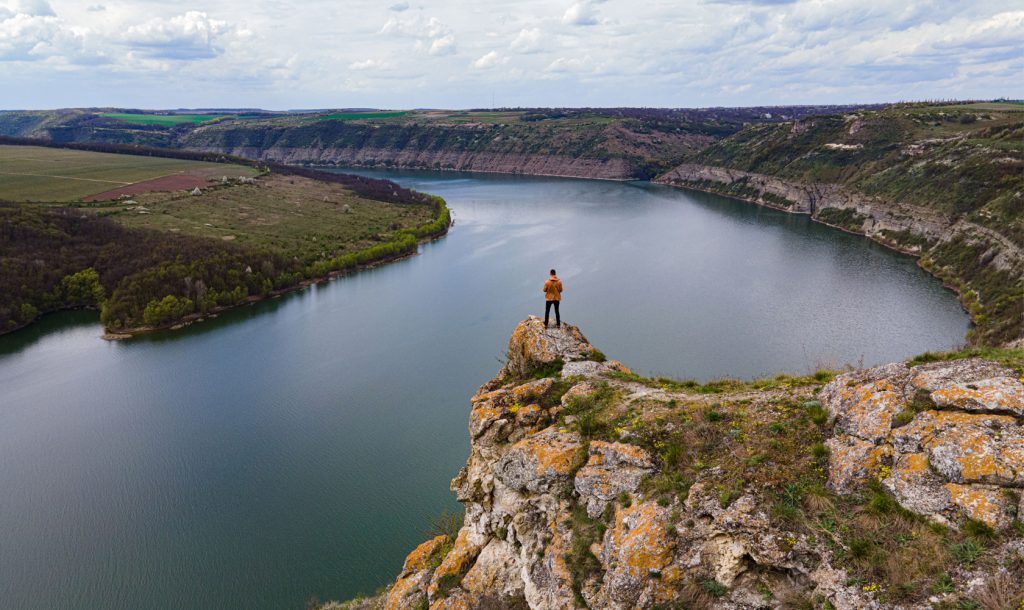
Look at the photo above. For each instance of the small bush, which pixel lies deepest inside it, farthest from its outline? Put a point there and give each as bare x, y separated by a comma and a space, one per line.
714, 588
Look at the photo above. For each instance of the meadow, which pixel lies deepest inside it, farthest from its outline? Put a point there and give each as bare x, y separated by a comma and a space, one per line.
41, 174
165, 120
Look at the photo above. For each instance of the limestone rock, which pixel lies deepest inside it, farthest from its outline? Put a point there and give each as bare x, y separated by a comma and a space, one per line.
611, 469
541, 462
851, 460
410, 588
985, 503
936, 375
532, 345
866, 411
457, 561
635, 548
495, 572
998, 394
965, 455
916, 487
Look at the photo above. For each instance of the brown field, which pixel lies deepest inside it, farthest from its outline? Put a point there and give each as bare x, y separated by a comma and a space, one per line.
174, 182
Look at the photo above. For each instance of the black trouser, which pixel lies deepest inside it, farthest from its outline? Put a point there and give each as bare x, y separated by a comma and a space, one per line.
547, 311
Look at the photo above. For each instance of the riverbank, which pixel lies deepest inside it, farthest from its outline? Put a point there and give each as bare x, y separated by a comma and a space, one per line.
161, 259
128, 333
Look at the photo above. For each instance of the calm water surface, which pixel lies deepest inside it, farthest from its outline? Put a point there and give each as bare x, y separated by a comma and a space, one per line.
299, 447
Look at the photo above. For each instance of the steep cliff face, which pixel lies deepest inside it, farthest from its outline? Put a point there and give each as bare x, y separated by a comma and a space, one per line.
588, 486
614, 151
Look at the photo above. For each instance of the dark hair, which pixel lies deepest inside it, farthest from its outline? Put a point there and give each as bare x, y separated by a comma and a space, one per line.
552, 272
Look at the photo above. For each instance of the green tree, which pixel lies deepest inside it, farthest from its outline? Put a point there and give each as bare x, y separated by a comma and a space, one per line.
82, 289
167, 310
28, 312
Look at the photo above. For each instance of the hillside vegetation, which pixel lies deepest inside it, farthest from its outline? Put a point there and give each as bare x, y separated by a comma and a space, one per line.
167, 256
619, 143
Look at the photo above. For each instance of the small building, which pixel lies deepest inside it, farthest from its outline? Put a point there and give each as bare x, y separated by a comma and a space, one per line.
197, 191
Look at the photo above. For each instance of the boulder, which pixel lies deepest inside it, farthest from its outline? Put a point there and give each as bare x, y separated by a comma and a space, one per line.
532, 346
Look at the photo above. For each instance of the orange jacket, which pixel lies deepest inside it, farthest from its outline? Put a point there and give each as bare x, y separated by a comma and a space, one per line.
553, 288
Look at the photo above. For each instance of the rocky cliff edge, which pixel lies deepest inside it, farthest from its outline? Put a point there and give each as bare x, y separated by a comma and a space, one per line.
589, 486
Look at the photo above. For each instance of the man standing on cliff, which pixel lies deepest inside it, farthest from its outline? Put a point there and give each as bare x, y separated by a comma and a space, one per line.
553, 295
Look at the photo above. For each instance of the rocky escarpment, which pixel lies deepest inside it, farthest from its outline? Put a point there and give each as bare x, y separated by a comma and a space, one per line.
588, 486
412, 158
612, 150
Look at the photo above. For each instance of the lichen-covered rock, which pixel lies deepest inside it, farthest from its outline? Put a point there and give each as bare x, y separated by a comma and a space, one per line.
989, 504
612, 468
547, 580
409, 590
998, 394
916, 487
851, 460
937, 375
636, 548
863, 410
541, 462
532, 345
945, 439
457, 561
590, 368
992, 453
495, 572
958, 456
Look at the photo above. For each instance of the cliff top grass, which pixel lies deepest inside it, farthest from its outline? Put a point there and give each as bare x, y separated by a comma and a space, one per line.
768, 437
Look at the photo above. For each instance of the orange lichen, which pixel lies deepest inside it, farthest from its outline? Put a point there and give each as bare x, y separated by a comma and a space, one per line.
1000, 394
983, 504
639, 536
402, 593
869, 409
419, 558
457, 561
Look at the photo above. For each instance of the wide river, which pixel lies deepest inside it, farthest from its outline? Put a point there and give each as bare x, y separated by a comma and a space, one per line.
300, 447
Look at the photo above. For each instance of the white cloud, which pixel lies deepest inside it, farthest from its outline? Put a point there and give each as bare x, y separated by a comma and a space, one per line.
190, 36
581, 12
571, 64
96, 8
529, 40
489, 60
684, 52
444, 45
35, 8
368, 64
431, 35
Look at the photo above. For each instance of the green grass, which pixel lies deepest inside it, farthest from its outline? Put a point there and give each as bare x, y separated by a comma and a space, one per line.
161, 119
349, 116
31, 173
281, 214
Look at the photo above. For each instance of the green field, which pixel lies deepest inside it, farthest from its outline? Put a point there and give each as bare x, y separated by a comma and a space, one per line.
31, 173
349, 116
161, 119
292, 216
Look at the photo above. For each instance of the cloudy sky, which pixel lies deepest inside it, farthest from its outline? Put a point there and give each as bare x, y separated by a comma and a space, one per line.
456, 54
